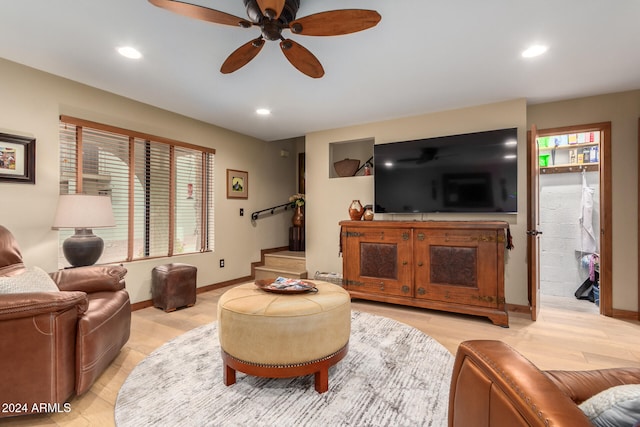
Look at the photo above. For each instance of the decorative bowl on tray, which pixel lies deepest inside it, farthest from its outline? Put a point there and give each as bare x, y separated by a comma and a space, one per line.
283, 285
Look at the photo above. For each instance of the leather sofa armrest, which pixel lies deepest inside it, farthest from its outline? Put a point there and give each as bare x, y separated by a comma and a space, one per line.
15, 306
494, 385
581, 385
95, 278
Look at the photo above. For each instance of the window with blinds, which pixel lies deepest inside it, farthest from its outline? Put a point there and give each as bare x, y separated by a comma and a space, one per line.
161, 190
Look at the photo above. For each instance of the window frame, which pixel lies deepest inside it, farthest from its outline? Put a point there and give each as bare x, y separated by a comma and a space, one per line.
206, 185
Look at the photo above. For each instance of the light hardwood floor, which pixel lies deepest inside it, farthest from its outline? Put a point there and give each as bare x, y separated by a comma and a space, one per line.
569, 334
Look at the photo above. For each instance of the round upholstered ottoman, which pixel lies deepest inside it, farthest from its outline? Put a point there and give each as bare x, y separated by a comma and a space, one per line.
275, 335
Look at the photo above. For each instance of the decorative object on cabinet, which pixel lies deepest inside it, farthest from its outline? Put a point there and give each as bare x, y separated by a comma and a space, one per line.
346, 167
83, 212
356, 210
453, 266
17, 159
368, 213
237, 184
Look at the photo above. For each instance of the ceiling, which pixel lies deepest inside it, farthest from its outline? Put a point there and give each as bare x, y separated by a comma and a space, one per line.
424, 56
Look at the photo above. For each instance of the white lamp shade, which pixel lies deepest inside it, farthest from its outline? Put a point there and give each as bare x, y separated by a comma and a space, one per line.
83, 211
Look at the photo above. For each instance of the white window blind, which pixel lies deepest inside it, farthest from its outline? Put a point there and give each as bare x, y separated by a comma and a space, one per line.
161, 190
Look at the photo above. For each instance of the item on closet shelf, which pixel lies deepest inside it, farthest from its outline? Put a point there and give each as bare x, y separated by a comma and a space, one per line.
544, 160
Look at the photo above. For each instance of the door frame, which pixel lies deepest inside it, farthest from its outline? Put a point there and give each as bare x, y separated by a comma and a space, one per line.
606, 247
533, 220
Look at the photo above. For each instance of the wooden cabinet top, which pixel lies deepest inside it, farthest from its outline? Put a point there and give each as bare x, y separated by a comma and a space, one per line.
459, 225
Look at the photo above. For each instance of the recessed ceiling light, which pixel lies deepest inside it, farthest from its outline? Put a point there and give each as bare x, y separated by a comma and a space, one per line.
129, 52
263, 111
535, 50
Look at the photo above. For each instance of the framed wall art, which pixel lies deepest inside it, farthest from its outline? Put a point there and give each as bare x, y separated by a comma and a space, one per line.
237, 184
17, 159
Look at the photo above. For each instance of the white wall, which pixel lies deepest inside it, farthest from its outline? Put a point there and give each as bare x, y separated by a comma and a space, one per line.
32, 102
561, 249
329, 198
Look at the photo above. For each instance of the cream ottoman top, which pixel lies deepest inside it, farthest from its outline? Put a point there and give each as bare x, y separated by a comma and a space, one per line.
248, 299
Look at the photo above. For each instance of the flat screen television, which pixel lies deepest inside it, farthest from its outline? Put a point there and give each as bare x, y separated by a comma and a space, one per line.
473, 172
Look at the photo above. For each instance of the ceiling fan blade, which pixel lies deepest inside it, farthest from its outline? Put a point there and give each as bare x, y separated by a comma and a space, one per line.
201, 12
302, 59
336, 22
242, 55
274, 5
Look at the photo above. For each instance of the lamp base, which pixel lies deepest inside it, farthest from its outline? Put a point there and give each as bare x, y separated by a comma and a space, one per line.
83, 248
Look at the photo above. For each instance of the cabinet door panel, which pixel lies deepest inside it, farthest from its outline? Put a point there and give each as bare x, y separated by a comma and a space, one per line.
380, 261
457, 266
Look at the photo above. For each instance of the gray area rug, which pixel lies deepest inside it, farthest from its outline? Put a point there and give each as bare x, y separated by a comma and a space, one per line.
393, 375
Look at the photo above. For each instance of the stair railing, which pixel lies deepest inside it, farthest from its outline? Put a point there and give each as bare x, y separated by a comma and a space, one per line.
255, 215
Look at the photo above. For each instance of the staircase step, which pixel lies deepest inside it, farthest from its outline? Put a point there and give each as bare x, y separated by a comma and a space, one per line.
286, 260
265, 272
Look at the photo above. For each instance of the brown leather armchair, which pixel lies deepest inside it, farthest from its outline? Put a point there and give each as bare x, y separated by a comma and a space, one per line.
494, 386
57, 343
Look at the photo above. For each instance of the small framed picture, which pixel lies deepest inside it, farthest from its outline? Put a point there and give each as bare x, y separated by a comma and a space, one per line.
237, 184
17, 159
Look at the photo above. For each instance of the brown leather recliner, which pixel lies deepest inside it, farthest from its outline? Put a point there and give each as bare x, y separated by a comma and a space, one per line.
56, 343
495, 386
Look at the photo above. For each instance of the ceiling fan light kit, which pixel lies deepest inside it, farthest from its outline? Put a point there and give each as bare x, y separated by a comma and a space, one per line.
274, 16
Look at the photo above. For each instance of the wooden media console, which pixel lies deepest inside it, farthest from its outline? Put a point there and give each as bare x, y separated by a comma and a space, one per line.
455, 266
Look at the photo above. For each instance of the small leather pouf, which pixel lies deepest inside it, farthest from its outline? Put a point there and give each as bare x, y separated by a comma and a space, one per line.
173, 286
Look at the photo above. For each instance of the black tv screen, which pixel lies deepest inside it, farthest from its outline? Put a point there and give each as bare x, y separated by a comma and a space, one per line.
473, 172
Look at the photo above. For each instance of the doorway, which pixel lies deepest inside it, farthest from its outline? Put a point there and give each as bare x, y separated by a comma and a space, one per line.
571, 233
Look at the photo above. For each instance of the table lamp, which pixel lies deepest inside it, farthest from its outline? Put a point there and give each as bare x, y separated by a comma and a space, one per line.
83, 213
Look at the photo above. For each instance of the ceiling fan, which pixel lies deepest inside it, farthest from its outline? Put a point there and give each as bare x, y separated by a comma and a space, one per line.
274, 16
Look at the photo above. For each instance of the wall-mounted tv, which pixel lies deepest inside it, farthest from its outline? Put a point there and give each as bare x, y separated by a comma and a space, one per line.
473, 172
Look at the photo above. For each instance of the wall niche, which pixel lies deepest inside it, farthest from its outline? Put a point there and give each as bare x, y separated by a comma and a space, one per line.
360, 149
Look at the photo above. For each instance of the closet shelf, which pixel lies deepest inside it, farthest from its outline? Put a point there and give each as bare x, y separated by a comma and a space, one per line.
570, 146
587, 167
